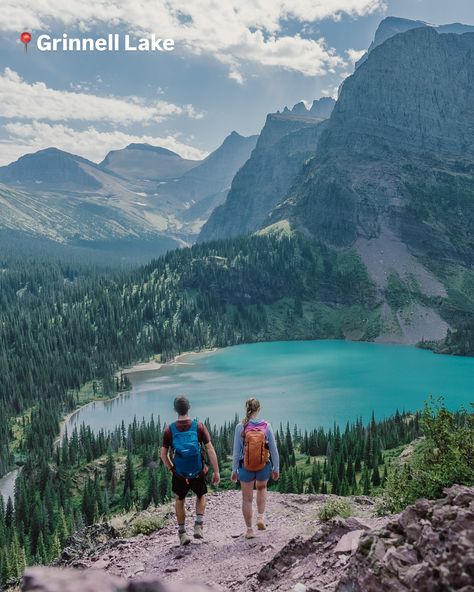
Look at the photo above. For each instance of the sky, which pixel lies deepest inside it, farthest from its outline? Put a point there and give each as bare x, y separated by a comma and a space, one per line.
234, 61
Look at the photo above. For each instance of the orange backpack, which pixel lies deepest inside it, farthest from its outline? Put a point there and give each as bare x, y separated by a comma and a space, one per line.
256, 451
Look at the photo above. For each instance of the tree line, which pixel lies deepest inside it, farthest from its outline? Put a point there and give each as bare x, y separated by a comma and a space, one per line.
92, 476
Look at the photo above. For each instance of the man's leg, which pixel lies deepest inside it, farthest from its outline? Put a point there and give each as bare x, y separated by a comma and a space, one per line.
261, 503
181, 518
247, 502
201, 503
180, 511
200, 509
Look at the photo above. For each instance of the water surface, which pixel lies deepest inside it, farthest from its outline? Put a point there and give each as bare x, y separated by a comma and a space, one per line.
309, 383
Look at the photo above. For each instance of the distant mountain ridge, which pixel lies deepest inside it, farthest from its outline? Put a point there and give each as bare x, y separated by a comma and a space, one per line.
146, 163
140, 194
53, 169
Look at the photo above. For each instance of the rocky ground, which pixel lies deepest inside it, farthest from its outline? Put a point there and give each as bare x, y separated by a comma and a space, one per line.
225, 560
427, 548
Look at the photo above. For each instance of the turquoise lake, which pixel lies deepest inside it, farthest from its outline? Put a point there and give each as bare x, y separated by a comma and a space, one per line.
310, 383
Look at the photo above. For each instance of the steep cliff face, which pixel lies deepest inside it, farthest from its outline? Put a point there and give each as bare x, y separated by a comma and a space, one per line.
398, 150
286, 141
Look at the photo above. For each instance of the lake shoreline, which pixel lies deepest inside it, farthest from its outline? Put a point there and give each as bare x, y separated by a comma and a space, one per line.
153, 365
150, 366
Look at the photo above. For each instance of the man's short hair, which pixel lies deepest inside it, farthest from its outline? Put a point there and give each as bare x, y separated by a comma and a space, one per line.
181, 405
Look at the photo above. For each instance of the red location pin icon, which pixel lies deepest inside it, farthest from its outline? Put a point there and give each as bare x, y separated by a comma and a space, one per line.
25, 38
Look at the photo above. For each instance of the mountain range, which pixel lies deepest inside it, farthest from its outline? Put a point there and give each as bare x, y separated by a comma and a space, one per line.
142, 195
385, 173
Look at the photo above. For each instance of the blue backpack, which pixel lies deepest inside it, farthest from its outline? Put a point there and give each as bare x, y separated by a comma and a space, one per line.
187, 451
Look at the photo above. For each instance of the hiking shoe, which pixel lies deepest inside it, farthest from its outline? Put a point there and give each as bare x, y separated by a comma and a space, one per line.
183, 539
261, 524
198, 531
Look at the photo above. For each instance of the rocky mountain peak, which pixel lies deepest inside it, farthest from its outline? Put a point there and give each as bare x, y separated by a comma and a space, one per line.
322, 107
51, 168
391, 26
299, 109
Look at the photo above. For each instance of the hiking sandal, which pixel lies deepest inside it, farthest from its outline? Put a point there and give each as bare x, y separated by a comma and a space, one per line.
250, 534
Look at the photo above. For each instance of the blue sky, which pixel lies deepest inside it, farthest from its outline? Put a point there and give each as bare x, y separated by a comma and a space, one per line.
235, 61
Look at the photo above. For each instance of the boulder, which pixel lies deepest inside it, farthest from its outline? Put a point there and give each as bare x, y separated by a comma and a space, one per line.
349, 542
428, 548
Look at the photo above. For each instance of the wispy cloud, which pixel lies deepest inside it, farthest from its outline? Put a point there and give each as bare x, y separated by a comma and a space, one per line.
90, 143
21, 100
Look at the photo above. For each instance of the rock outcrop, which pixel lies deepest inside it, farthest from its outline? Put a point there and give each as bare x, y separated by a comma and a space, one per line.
428, 548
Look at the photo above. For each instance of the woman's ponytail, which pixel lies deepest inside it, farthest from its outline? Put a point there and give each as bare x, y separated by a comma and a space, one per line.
252, 406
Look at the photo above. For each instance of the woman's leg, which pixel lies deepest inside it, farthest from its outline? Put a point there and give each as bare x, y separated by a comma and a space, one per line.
261, 497
247, 502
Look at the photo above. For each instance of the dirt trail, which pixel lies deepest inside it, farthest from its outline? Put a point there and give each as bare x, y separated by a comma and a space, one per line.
225, 560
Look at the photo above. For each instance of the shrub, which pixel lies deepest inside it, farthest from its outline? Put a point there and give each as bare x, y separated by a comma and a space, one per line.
333, 508
443, 458
146, 525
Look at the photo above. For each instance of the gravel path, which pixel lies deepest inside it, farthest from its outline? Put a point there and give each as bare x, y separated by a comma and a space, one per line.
225, 560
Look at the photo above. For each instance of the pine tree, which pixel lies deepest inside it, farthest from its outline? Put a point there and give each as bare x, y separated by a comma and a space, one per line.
376, 477
110, 467
129, 476
365, 480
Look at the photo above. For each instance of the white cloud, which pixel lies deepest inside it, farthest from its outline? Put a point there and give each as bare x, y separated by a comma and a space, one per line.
90, 143
354, 55
234, 31
37, 101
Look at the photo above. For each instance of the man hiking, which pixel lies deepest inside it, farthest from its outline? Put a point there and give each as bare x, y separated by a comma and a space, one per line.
185, 438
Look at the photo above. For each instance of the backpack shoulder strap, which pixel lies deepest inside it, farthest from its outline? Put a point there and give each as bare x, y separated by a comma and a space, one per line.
173, 428
194, 426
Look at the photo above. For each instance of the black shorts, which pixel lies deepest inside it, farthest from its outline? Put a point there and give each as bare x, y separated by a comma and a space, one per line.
181, 486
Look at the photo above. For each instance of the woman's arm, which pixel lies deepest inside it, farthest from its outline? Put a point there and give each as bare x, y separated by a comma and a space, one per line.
237, 447
273, 449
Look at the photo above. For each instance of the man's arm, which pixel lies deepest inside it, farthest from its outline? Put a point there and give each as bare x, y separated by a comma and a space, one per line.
214, 462
165, 457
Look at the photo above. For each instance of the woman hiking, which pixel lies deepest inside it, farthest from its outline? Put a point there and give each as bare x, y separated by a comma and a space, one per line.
255, 459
